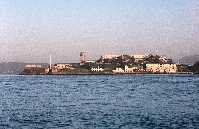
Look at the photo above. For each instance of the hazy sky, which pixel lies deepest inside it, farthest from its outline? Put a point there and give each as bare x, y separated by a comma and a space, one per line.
31, 30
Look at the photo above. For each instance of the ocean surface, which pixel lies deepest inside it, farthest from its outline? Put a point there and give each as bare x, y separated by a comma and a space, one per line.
99, 102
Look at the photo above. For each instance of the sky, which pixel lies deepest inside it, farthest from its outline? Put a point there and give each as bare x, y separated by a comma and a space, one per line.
31, 30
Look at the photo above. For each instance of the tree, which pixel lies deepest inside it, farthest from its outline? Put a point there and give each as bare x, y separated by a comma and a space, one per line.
152, 59
100, 60
183, 68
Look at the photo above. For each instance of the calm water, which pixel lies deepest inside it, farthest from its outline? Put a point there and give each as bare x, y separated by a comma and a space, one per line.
99, 102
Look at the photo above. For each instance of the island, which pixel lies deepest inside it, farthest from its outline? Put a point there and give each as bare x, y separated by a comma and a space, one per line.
112, 64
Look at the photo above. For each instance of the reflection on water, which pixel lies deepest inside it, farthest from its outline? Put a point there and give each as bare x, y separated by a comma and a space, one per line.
89, 102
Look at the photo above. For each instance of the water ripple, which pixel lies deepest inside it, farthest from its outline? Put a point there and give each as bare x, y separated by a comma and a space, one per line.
101, 102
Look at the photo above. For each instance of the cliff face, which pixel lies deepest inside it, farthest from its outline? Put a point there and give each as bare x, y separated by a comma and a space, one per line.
33, 71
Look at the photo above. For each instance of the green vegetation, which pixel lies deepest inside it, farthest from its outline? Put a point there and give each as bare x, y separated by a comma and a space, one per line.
184, 68
123, 60
152, 59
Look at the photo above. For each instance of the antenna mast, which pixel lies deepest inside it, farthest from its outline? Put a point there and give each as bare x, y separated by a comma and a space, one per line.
50, 62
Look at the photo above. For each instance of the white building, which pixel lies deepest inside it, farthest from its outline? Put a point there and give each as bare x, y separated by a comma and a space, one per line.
139, 57
118, 70
126, 70
90, 61
164, 59
62, 66
98, 69
161, 68
33, 66
129, 70
59, 67
109, 56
